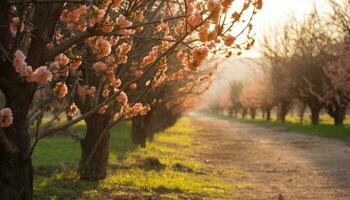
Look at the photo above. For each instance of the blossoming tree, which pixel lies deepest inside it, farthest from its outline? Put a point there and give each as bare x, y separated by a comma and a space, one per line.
63, 44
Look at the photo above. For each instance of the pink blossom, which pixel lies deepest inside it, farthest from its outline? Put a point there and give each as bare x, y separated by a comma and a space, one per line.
152, 56
212, 5
40, 75
102, 47
107, 28
75, 64
122, 22
6, 117
133, 86
100, 66
200, 53
116, 3
229, 40
61, 90
117, 83
195, 19
73, 109
20, 65
62, 60
14, 25
122, 98
105, 93
137, 108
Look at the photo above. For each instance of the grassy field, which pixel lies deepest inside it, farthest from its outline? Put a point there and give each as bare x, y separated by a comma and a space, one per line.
182, 177
324, 129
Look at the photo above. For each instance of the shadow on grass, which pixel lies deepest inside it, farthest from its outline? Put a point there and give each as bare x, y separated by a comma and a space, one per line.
56, 161
126, 179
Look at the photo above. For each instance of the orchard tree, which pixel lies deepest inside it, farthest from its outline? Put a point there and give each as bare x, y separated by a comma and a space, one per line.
337, 95
235, 92
55, 43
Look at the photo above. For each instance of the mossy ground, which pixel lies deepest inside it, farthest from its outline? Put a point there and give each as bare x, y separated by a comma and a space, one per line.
126, 179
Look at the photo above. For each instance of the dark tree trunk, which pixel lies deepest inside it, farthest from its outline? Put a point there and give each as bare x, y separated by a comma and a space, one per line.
16, 171
268, 114
244, 113
339, 115
315, 115
282, 112
252, 113
302, 113
236, 112
94, 148
140, 130
263, 113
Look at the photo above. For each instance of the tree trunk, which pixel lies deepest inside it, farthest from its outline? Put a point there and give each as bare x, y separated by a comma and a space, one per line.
282, 112
16, 171
268, 114
244, 113
140, 130
252, 113
263, 112
94, 148
315, 115
339, 115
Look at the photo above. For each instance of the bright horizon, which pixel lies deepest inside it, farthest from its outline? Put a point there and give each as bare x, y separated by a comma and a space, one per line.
278, 12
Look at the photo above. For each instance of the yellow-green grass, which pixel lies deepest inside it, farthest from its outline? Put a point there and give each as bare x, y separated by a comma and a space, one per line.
126, 179
292, 124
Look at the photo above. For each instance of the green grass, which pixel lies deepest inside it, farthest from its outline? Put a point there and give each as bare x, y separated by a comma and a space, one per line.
292, 124
126, 179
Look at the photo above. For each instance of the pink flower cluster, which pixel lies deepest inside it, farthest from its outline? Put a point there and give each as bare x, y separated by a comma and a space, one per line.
229, 40
151, 57
75, 64
198, 56
135, 110
200, 53
122, 51
73, 109
101, 47
100, 66
122, 22
40, 75
122, 98
14, 25
62, 60
61, 90
20, 64
6, 117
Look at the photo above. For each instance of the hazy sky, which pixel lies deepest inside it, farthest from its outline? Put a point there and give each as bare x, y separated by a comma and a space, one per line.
276, 12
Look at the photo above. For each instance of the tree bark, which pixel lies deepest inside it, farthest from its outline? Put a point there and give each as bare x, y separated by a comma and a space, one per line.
315, 115
94, 148
252, 113
268, 114
140, 130
282, 112
339, 115
16, 171
263, 112
244, 113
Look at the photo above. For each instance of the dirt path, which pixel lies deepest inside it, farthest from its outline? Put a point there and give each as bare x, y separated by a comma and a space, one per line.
281, 165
